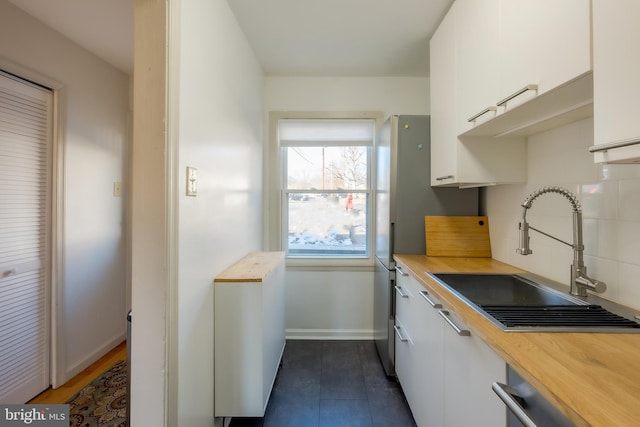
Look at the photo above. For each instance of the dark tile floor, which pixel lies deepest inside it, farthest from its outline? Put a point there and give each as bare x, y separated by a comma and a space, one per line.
332, 384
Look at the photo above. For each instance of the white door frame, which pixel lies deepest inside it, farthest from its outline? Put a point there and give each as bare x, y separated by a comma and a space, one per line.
154, 248
55, 223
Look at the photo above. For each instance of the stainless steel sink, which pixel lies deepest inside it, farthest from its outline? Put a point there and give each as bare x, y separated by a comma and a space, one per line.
503, 289
515, 303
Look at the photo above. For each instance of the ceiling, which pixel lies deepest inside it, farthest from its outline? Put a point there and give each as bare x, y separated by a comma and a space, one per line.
341, 37
289, 37
104, 27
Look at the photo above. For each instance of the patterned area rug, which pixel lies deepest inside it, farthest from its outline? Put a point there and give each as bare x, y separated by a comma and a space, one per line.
103, 403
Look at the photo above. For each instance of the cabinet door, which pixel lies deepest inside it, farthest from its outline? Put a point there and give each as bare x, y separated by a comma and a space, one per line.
403, 358
404, 333
616, 71
453, 161
444, 137
544, 42
471, 367
478, 68
428, 407
404, 298
272, 328
420, 359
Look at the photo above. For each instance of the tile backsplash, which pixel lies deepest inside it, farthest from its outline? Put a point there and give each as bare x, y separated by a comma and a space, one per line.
610, 199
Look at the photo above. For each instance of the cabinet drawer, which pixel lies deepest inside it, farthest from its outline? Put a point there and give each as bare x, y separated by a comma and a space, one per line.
470, 369
404, 298
445, 374
404, 357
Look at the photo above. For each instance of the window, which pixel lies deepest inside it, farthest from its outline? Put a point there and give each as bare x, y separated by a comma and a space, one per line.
326, 186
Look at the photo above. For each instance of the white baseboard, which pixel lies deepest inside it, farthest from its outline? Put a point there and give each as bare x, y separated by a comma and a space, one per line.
94, 356
329, 334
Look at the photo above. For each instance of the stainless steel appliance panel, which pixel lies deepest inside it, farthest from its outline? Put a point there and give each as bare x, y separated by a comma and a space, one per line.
384, 307
527, 407
403, 198
385, 180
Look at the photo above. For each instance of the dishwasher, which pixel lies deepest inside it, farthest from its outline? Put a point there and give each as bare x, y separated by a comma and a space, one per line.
527, 407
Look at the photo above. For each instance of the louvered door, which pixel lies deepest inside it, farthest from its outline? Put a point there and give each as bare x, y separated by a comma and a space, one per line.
25, 134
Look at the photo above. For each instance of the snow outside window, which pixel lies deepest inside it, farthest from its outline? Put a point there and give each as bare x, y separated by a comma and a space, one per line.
326, 187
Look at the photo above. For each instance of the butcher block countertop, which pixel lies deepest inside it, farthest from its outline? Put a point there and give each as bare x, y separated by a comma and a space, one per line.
254, 267
594, 378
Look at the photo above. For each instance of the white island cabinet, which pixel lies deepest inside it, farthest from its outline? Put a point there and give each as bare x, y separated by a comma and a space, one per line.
249, 333
445, 373
616, 81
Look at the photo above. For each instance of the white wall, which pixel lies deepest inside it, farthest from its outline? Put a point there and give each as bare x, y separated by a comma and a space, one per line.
391, 95
94, 114
338, 304
610, 198
329, 304
220, 133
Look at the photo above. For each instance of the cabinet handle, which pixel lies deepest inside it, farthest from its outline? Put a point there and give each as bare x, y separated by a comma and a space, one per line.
442, 178
433, 304
481, 113
518, 92
398, 330
617, 144
399, 270
400, 291
512, 399
462, 332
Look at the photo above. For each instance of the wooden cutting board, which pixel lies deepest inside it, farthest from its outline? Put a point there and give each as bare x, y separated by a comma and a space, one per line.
457, 236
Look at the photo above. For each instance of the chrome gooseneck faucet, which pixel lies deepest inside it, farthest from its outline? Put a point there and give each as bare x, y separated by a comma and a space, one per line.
580, 282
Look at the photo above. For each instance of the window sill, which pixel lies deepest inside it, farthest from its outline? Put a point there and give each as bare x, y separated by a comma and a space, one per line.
330, 264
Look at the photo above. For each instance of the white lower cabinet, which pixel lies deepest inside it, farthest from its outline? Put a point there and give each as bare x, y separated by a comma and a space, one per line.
405, 348
249, 334
428, 400
471, 367
445, 373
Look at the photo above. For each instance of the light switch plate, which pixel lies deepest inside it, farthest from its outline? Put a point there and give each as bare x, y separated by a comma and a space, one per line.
117, 189
192, 181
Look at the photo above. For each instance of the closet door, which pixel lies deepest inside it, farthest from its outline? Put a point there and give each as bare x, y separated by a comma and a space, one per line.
25, 135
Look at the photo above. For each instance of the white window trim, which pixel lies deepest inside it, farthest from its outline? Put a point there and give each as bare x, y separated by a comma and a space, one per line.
273, 204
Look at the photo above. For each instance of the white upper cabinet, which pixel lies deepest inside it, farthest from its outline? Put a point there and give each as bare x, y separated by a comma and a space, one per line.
477, 40
616, 80
502, 70
539, 54
443, 102
543, 42
454, 51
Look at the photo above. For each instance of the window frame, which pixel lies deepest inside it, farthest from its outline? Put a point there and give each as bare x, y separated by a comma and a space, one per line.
276, 221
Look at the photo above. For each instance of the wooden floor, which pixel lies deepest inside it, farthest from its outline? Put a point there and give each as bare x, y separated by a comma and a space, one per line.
70, 388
